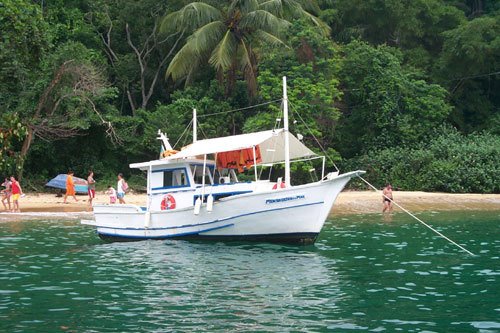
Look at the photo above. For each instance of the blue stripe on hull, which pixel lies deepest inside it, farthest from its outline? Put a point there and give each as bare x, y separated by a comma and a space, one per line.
182, 234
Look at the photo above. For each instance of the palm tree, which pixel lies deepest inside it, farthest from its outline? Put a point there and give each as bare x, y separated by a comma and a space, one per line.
228, 34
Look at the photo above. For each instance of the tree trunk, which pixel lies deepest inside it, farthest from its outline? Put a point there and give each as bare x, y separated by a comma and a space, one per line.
24, 151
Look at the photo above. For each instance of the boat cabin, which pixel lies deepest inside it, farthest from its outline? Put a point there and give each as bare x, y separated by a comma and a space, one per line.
178, 179
177, 185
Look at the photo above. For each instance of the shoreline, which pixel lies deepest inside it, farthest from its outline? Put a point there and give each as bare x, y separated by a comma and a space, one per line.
365, 202
35, 205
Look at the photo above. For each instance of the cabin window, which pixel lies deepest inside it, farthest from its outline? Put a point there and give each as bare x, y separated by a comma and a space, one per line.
169, 178
225, 176
197, 171
174, 178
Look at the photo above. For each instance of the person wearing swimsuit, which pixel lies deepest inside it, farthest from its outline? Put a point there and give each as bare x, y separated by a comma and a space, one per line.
91, 186
387, 198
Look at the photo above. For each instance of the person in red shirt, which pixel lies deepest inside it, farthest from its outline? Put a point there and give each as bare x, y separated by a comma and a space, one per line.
16, 193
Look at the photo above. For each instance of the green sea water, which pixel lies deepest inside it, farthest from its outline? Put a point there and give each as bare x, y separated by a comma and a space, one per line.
365, 273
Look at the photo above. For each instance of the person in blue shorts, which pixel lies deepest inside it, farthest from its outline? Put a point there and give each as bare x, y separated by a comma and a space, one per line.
121, 187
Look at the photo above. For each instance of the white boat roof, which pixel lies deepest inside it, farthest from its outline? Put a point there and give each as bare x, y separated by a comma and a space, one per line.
162, 162
271, 144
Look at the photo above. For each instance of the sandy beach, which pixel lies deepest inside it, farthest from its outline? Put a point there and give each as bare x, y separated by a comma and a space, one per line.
348, 202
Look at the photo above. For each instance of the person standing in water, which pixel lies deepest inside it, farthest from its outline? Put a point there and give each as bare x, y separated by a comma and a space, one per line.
387, 198
91, 186
70, 187
17, 191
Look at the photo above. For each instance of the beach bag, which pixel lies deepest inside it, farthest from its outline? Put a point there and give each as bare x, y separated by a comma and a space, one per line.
125, 186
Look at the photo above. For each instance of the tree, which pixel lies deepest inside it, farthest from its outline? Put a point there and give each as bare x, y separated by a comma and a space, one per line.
12, 133
448, 161
385, 105
311, 66
72, 85
174, 120
475, 8
411, 25
136, 49
228, 35
22, 46
469, 66
406, 24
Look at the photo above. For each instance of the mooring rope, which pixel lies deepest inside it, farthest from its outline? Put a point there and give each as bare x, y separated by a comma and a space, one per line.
416, 218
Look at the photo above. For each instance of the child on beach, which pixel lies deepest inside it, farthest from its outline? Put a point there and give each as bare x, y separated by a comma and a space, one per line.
6, 194
112, 194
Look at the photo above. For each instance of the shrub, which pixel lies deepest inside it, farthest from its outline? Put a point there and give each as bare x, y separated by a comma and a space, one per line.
449, 162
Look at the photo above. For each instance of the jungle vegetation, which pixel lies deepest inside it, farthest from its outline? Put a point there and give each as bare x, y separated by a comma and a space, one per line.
408, 90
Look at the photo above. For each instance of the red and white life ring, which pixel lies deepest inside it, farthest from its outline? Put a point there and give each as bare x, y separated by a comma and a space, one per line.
168, 202
282, 185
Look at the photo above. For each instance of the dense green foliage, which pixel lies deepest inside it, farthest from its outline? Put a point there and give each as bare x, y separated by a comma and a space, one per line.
449, 162
388, 106
229, 36
409, 90
12, 132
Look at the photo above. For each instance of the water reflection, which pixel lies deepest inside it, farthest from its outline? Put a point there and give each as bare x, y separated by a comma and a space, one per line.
261, 283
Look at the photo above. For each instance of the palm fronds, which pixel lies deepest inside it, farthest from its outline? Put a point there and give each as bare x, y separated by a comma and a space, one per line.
222, 56
190, 17
197, 45
228, 35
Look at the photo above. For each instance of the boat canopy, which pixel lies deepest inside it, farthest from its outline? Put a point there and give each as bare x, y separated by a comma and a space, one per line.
270, 143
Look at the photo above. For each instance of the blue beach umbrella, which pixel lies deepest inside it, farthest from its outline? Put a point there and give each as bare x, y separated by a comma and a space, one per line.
60, 182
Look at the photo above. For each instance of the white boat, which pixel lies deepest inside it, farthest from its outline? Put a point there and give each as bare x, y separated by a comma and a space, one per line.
195, 193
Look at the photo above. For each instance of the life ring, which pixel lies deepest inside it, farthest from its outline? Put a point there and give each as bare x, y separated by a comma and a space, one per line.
282, 185
168, 202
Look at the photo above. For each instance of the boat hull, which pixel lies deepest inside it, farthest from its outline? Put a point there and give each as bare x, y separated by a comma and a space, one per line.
290, 215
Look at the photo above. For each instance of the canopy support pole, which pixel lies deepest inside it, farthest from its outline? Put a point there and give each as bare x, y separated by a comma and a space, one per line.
147, 217
255, 164
195, 127
323, 168
285, 132
203, 179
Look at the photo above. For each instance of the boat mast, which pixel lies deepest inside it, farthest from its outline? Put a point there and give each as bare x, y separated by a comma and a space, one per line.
285, 131
195, 127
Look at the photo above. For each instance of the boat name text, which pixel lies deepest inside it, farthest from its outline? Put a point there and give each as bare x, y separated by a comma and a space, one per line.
278, 200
